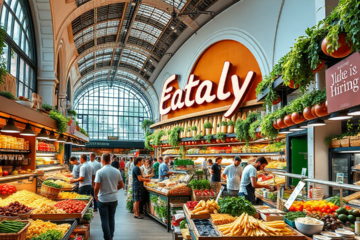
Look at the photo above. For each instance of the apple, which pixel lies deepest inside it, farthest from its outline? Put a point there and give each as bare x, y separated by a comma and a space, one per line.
5, 173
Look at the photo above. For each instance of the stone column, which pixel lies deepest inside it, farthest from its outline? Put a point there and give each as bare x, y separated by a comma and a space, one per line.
46, 89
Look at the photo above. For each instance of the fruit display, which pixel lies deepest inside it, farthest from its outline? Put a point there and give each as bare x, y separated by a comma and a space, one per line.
9, 226
246, 225
180, 188
72, 195
347, 215
27, 198
45, 161
171, 151
7, 189
45, 147
204, 193
71, 206
206, 207
322, 207
330, 222
9, 142
191, 204
14, 209
38, 227
276, 165
45, 208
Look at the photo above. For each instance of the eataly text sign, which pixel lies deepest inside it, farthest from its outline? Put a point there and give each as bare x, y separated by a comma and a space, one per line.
204, 92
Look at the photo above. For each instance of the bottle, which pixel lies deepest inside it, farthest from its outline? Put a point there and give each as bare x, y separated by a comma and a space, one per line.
357, 226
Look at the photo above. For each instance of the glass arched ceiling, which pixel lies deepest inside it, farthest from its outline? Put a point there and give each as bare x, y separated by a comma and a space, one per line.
112, 111
142, 32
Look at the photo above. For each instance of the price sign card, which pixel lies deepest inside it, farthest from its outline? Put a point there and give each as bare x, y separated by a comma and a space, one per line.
303, 172
294, 194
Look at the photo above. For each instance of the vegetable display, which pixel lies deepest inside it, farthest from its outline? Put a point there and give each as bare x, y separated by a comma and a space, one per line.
51, 183
14, 209
236, 206
247, 225
335, 200
199, 184
183, 162
46, 208
28, 198
7, 189
291, 216
191, 204
11, 226
49, 235
206, 208
71, 206
183, 224
38, 227
72, 195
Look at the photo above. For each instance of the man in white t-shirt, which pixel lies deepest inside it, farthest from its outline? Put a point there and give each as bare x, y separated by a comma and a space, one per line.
86, 176
108, 182
232, 174
96, 166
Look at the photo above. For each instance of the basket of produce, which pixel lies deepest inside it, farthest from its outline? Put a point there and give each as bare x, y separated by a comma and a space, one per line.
345, 142
335, 143
13, 230
15, 210
354, 141
50, 189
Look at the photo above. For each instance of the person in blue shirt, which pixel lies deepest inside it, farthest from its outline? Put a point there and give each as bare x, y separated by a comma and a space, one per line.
164, 169
75, 171
137, 186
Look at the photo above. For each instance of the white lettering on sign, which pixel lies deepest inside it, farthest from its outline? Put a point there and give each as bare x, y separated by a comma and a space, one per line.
204, 92
339, 80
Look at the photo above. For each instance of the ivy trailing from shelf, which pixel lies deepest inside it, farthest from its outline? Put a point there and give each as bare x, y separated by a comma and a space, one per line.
84, 132
146, 125
242, 127
157, 137
220, 136
208, 138
61, 121
252, 128
147, 142
174, 138
197, 137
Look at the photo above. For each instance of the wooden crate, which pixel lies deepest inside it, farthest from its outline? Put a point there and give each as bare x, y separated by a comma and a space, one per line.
194, 216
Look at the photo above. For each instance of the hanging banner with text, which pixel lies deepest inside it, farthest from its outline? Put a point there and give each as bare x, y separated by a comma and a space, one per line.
342, 84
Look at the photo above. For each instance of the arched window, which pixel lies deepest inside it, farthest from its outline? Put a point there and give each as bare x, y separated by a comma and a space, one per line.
20, 45
112, 111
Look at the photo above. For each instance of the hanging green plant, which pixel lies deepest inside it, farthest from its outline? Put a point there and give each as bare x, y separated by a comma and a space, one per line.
253, 127
239, 129
157, 137
197, 137
71, 113
174, 136
319, 96
220, 136
146, 125
267, 128
83, 132
61, 121
147, 142
208, 138
182, 152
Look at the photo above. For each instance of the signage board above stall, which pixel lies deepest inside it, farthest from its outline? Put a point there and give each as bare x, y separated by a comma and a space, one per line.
223, 79
342, 84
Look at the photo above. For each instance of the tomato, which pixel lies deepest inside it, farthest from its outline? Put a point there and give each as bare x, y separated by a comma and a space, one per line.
323, 210
329, 211
334, 208
292, 208
3, 192
347, 207
327, 207
299, 209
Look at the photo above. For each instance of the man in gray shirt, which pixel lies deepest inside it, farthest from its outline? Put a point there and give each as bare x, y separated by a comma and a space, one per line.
86, 176
108, 182
96, 166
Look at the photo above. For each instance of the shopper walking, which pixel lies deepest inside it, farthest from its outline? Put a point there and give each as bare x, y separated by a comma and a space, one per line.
137, 186
216, 175
164, 170
75, 171
156, 167
233, 175
115, 162
249, 180
96, 166
86, 176
108, 182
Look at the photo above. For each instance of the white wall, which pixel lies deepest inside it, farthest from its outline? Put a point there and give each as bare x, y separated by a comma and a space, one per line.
267, 28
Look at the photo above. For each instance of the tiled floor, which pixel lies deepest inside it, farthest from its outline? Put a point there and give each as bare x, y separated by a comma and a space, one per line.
129, 228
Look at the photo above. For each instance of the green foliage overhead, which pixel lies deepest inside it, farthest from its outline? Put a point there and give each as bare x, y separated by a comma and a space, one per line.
174, 136
208, 138
147, 142
61, 121
3, 61
71, 113
8, 95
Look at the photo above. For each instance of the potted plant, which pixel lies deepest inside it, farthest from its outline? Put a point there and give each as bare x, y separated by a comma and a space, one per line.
208, 138
223, 126
194, 130
230, 125
319, 103
307, 102
61, 121
208, 127
296, 107
71, 113
267, 128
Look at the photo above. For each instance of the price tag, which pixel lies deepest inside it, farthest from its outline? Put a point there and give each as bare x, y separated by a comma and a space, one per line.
303, 172
219, 194
340, 178
294, 194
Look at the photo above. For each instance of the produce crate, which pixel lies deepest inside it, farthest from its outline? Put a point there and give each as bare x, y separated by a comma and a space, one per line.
61, 216
194, 216
21, 235
290, 223
83, 230
73, 224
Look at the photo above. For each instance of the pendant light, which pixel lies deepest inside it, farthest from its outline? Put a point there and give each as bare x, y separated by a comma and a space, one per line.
355, 111
43, 134
28, 131
284, 130
52, 136
316, 122
295, 129
68, 141
339, 116
10, 127
61, 139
